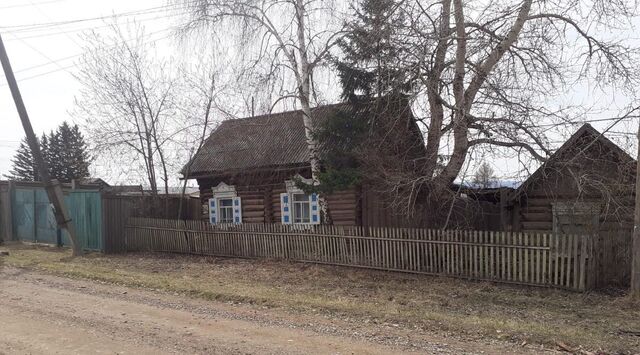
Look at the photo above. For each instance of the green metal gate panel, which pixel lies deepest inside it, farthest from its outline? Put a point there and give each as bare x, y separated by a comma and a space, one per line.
45, 219
23, 214
85, 208
34, 219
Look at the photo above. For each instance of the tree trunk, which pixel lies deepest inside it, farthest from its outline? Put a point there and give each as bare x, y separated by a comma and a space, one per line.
304, 93
635, 249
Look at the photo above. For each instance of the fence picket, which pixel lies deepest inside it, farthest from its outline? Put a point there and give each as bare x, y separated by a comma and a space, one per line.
533, 259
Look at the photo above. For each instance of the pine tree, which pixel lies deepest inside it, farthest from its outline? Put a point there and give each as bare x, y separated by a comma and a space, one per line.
24, 167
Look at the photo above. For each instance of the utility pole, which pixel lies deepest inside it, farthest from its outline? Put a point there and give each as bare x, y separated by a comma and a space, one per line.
53, 188
635, 248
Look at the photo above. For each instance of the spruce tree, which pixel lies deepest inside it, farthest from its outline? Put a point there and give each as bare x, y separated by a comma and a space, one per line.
54, 156
68, 154
372, 83
24, 167
64, 150
369, 64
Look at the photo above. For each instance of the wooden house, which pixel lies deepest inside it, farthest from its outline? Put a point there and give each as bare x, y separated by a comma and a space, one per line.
246, 170
586, 186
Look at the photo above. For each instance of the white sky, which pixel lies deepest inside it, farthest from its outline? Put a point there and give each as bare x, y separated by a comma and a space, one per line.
45, 59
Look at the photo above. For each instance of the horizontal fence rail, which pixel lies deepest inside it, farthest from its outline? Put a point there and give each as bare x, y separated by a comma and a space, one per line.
562, 261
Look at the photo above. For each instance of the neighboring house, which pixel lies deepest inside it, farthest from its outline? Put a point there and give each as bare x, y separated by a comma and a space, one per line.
247, 168
586, 186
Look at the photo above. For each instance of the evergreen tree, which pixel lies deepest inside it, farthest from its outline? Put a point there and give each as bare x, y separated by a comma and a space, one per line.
69, 158
372, 83
24, 167
369, 64
54, 156
64, 150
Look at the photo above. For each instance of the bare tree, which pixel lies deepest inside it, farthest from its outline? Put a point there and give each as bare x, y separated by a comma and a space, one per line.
484, 74
292, 38
484, 177
128, 101
200, 105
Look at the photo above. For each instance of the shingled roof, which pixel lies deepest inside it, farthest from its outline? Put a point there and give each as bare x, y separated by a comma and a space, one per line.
586, 133
258, 142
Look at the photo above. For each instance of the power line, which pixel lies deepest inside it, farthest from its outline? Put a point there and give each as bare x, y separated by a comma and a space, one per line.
50, 34
22, 5
45, 25
55, 61
66, 68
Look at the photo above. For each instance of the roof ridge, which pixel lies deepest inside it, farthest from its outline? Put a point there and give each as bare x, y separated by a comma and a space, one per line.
281, 113
585, 128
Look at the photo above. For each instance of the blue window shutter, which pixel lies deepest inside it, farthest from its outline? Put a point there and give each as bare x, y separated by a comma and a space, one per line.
237, 210
213, 218
315, 210
285, 211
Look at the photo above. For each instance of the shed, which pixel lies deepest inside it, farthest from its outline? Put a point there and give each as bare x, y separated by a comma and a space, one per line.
586, 186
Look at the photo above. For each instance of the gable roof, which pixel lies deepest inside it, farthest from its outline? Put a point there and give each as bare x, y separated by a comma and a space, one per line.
264, 141
278, 141
585, 131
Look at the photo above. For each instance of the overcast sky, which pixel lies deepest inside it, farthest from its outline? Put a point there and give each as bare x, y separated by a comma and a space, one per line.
43, 41
45, 57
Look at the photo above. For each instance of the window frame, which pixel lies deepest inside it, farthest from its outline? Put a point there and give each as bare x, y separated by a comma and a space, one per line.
305, 203
228, 209
308, 204
224, 192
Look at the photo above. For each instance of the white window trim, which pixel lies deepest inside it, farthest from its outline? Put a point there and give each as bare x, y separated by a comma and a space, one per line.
225, 192
293, 189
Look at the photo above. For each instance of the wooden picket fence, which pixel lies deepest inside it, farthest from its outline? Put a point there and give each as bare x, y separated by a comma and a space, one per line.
562, 261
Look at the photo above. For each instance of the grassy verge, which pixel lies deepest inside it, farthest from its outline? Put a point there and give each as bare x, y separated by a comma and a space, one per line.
592, 321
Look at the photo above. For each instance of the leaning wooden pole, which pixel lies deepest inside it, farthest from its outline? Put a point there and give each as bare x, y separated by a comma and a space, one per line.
635, 248
53, 188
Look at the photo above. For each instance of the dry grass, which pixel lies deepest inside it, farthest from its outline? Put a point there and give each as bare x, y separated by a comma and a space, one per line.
592, 321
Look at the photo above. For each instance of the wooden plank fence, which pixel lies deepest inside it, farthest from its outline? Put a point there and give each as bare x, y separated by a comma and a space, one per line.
562, 261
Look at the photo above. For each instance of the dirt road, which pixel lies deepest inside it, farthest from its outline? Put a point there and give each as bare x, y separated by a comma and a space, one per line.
43, 314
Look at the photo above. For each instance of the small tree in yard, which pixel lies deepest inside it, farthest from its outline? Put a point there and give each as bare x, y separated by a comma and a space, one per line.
484, 177
128, 101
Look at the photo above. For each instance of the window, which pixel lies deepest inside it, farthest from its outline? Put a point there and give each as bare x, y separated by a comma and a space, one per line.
301, 208
225, 207
575, 218
226, 210
298, 207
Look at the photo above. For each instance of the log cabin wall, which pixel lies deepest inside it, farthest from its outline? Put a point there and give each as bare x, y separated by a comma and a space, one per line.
592, 175
260, 194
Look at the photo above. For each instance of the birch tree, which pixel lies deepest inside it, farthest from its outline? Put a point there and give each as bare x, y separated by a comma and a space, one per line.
292, 39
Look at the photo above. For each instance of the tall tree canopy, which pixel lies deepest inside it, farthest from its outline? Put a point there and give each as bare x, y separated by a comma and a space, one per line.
64, 150
483, 74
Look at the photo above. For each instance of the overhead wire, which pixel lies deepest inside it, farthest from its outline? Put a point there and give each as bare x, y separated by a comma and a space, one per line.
28, 5
46, 25
66, 68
